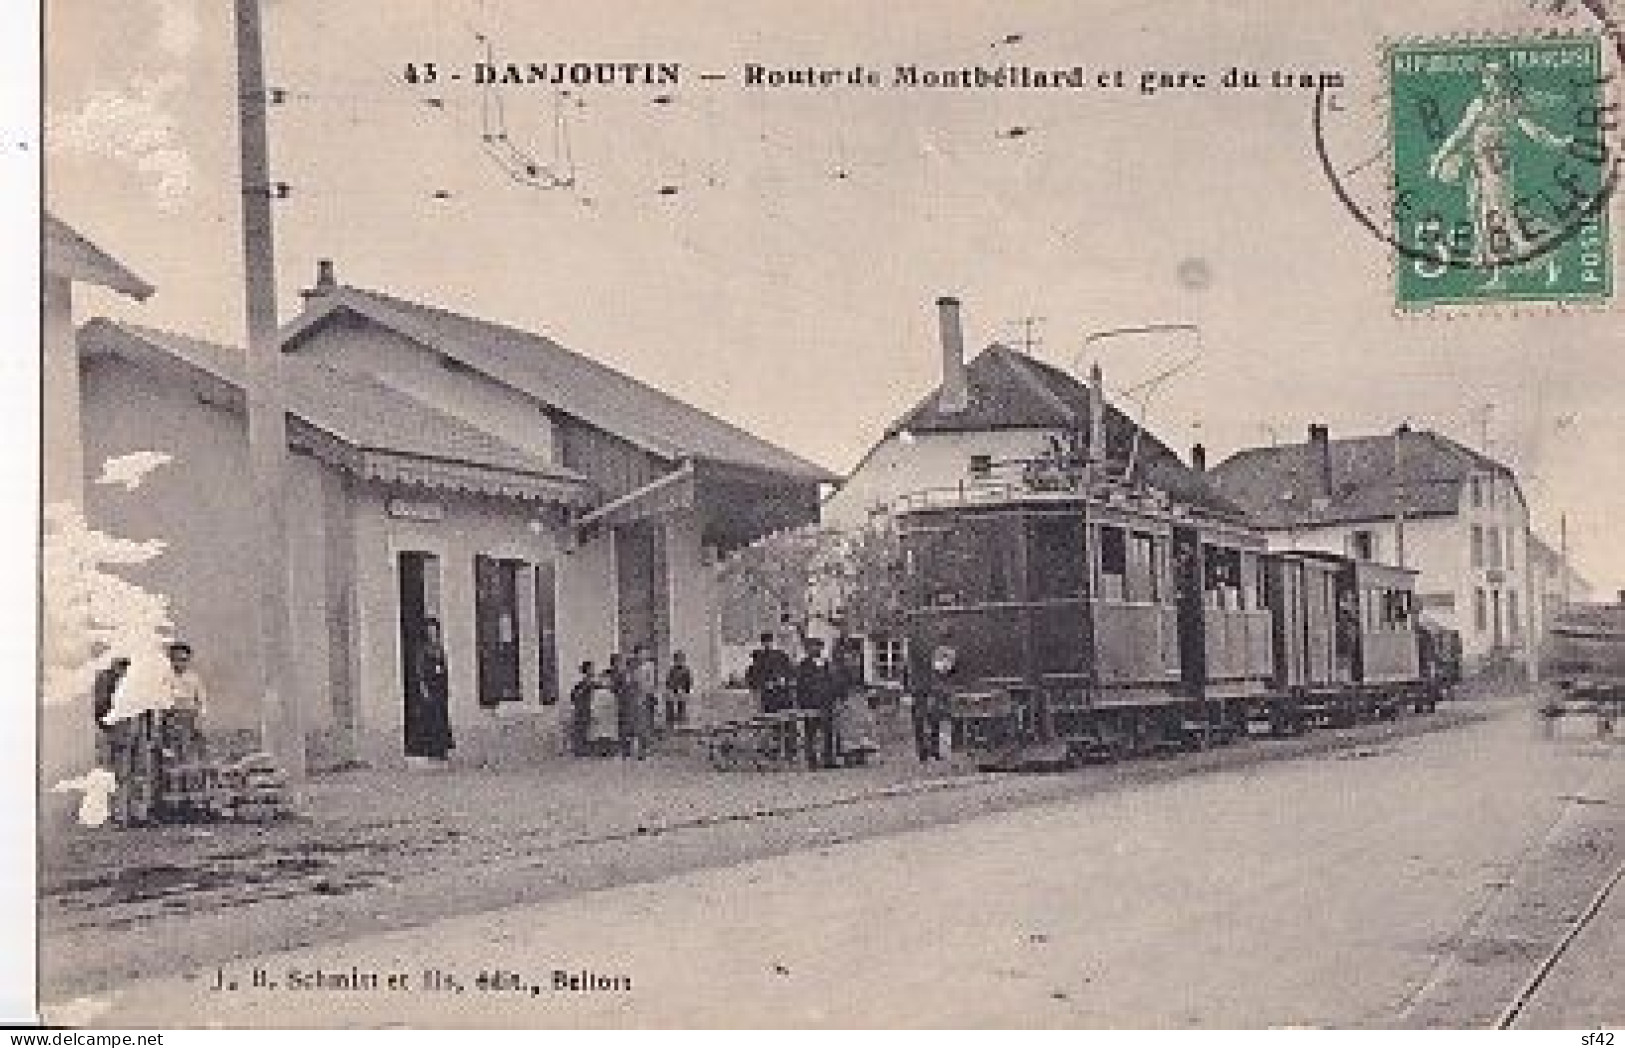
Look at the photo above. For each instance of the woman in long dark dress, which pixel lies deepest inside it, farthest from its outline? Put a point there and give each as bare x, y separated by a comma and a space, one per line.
433, 720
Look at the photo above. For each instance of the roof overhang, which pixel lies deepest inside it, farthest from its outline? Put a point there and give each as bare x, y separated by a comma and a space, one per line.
677, 490
68, 253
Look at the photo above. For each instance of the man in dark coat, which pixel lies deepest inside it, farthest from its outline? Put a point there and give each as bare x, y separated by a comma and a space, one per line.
816, 694
102, 692
923, 682
581, 709
771, 676
679, 683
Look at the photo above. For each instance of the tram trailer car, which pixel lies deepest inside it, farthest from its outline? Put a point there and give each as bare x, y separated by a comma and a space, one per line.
1585, 654
1348, 644
1108, 624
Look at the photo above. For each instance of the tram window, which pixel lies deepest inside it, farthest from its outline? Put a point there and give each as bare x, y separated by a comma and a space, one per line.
991, 566
1056, 558
1113, 564
1251, 592
1222, 577
1142, 565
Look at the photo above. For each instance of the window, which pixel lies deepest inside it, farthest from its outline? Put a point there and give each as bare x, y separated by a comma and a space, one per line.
1481, 610
496, 629
1478, 546
1145, 569
981, 465
1512, 613
1363, 545
890, 656
1113, 564
1476, 487
1512, 545
1222, 573
1492, 545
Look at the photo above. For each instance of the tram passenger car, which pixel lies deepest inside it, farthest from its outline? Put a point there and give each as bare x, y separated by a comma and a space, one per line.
1105, 621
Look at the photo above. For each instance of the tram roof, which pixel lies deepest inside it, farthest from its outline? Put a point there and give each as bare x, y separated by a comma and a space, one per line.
1011, 390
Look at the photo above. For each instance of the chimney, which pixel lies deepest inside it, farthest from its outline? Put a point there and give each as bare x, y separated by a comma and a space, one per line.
1198, 458
1097, 414
955, 395
1320, 451
326, 282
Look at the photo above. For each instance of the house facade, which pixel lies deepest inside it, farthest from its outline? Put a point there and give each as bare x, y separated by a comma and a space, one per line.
542, 509
1555, 584
1412, 498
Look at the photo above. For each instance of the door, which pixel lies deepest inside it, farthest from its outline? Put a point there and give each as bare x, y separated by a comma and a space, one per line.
496, 629
426, 715
641, 587
547, 637
1188, 601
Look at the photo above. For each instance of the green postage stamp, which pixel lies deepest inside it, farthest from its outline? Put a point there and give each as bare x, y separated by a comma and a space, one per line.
1504, 161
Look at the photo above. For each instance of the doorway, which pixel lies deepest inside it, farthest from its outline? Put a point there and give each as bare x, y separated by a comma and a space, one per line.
1189, 614
426, 710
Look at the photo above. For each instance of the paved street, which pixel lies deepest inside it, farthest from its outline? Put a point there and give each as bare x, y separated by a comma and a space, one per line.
1414, 880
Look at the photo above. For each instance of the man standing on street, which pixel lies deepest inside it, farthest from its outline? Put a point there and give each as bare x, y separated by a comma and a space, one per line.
679, 683
771, 676
815, 695
183, 721
581, 709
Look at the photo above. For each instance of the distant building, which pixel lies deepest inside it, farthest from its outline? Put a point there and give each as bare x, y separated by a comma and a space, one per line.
989, 417
1413, 498
543, 508
1555, 583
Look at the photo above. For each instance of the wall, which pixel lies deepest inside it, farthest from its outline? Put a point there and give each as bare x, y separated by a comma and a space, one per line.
510, 732
197, 505
200, 508
694, 621
932, 460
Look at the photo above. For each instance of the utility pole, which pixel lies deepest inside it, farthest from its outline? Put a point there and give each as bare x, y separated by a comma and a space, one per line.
1399, 497
1563, 555
281, 732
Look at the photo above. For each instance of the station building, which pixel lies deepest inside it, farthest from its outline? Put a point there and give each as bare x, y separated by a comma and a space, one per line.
543, 508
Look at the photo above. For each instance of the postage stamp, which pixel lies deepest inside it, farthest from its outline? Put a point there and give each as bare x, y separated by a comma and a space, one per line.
1502, 169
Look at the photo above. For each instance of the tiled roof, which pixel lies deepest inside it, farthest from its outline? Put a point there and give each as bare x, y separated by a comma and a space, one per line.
68, 253
566, 380
1011, 390
1372, 476
356, 409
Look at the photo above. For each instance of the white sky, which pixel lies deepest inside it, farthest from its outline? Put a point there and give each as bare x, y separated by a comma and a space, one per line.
796, 303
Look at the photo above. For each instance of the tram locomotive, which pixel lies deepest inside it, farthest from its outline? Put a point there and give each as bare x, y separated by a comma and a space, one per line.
1068, 621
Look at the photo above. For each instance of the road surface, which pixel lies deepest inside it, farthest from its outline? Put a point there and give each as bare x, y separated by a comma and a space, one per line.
1414, 882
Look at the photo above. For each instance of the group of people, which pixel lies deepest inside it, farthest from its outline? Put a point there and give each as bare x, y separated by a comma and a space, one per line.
834, 721
139, 748
621, 710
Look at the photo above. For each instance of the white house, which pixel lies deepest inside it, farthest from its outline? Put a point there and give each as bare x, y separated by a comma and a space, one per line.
543, 508
1413, 498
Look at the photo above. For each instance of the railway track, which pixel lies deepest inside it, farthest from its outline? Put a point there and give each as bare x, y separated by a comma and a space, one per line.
1526, 993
